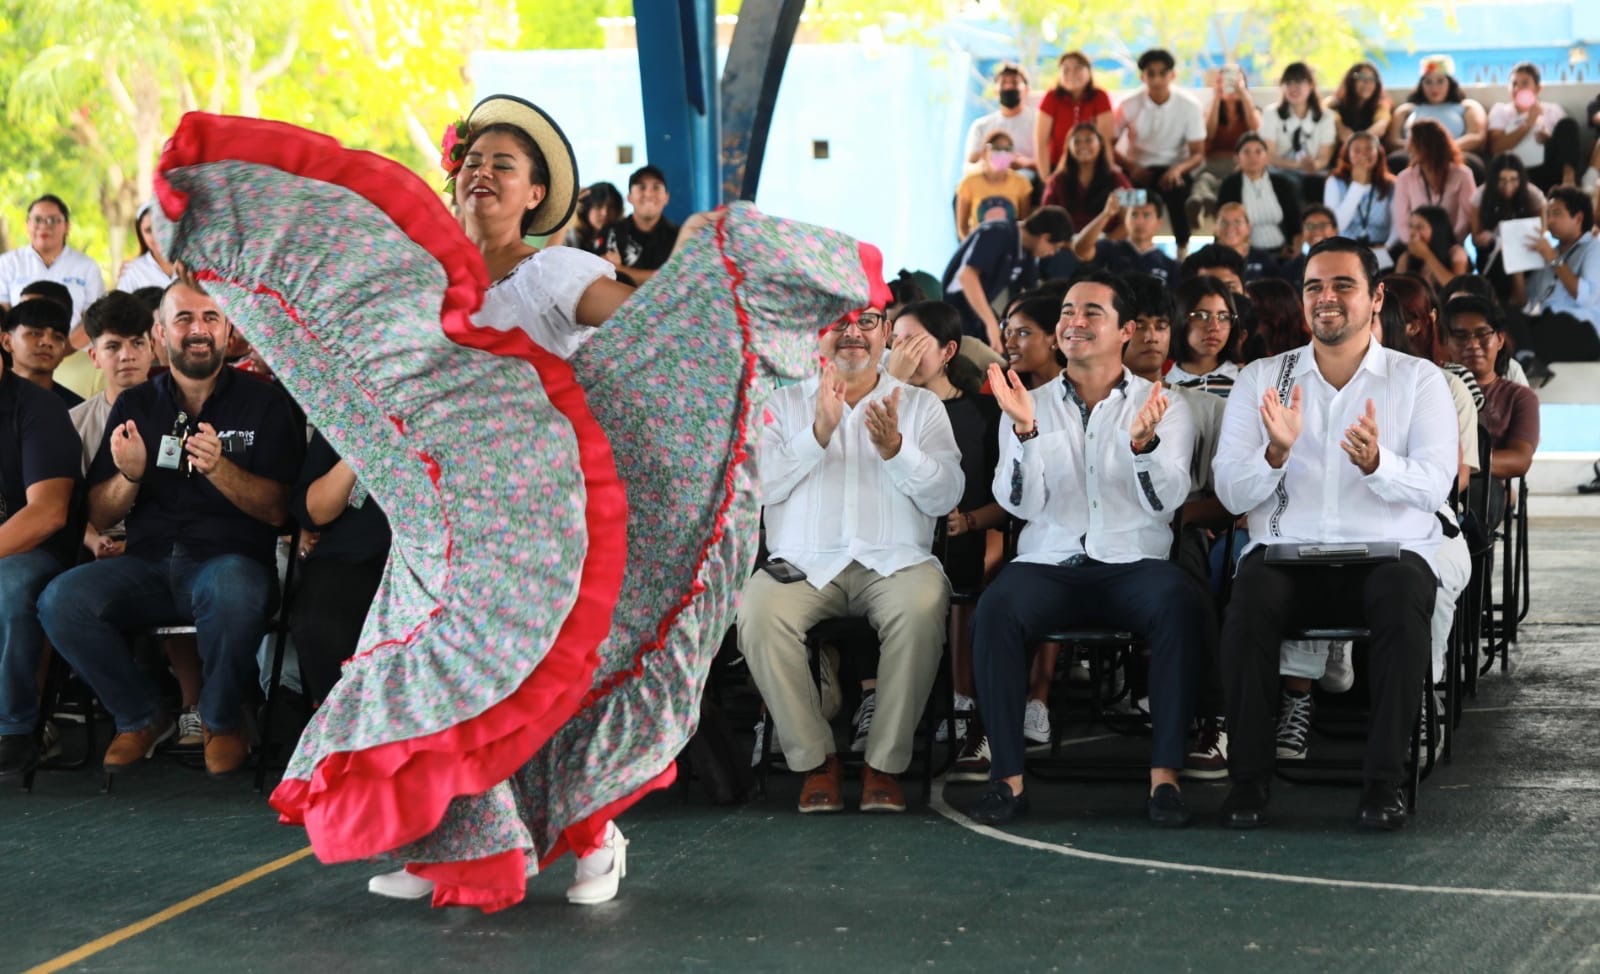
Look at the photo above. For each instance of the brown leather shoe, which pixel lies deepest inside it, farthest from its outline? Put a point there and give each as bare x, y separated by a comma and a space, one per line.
880, 791
226, 752
129, 748
820, 793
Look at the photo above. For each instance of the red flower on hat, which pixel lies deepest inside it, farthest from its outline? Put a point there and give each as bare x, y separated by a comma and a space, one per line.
452, 150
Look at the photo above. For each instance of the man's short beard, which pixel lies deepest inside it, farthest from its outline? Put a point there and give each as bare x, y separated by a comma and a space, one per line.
851, 368
184, 365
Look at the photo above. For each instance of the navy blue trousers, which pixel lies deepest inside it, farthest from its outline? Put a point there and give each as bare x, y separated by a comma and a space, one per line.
1151, 598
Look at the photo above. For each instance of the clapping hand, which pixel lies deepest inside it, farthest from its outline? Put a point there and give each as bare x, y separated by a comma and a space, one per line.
1282, 423
883, 424
127, 451
1144, 424
830, 404
1361, 440
1012, 397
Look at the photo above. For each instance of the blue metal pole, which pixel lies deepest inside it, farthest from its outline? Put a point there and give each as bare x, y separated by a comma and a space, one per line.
677, 74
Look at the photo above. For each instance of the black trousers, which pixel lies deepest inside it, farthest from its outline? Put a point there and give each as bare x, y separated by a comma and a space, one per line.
1553, 336
1150, 598
331, 599
1174, 198
1561, 150
1393, 599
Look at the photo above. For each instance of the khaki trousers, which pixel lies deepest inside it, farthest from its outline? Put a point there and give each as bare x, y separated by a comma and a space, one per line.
907, 609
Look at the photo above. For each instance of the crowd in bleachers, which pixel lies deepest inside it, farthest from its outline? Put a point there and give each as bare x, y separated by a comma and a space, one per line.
1084, 425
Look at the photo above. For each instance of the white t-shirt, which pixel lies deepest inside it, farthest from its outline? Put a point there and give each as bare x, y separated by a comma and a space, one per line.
89, 419
540, 297
1297, 138
82, 276
1159, 135
1505, 117
1265, 212
1018, 126
143, 271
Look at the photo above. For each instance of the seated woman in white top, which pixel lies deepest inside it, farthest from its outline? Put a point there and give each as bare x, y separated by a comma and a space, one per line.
1300, 133
151, 268
1207, 336
1506, 195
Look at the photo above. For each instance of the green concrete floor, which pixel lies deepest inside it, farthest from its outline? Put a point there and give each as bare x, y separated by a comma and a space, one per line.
758, 888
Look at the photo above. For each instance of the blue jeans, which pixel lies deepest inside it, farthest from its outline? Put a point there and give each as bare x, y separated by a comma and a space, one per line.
228, 597
22, 577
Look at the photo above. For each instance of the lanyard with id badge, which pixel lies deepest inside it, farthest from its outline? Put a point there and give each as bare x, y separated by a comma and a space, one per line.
1542, 303
170, 454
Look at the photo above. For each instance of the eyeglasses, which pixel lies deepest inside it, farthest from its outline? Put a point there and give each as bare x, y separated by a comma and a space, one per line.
1365, 76
1206, 317
1479, 337
1316, 226
46, 221
868, 321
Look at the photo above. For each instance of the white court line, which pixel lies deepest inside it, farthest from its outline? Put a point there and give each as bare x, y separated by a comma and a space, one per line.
943, 808
1529, 707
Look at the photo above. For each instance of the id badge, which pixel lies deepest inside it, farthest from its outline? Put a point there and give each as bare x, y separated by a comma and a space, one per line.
170, 454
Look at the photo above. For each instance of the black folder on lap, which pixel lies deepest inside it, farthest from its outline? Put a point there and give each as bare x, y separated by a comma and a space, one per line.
1333, 553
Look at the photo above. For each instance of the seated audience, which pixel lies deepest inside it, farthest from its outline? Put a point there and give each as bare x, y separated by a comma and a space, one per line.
1280, 322
1560, 321
599, 206
1505, 195
151, 268
1031, 349
1537, 132
1016, 117
1475, 337
639, 243
118, 328
1074, 101
1360, 191
36, 339
1096, 554
1300, 134
1317, 223
996, 178
1271, 201
1276, 464
38, 473
1234, 232
1086, 180
199, 461
1229, 116
926, 354
48, 257
1438, 98
1138, 253
997, 257
1361, 104
856, 467
1208, 339
1431, 251
1214, 260
1508, 366
344, 547
1166, 138
1435, 177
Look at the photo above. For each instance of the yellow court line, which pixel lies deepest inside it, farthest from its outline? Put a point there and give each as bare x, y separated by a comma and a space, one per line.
155, 919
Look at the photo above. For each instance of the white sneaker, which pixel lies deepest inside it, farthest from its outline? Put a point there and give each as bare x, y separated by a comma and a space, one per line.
600, 872
1340, 673
191, 732
1036, 722
777, 747
50, 741
963, 703
1591, 179
400, 885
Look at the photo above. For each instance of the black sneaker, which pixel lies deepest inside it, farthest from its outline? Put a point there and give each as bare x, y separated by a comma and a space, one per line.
1166, 808
18, 754
998, 805
1294, 726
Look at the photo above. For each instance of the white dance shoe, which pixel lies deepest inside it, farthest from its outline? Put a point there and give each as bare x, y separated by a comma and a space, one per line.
600, 872
400, 885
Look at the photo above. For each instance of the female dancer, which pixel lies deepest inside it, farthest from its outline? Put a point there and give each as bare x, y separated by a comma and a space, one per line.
505, 704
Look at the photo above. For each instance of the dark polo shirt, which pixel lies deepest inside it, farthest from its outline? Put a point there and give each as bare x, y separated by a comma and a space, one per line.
36, 440
175, 507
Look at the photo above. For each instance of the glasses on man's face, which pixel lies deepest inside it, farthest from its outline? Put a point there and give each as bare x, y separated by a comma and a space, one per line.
1479, 337
1317, 226
46, 221
868, 321
1206, 317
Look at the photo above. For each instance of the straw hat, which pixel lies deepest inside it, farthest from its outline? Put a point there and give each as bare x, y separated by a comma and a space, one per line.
561, 196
